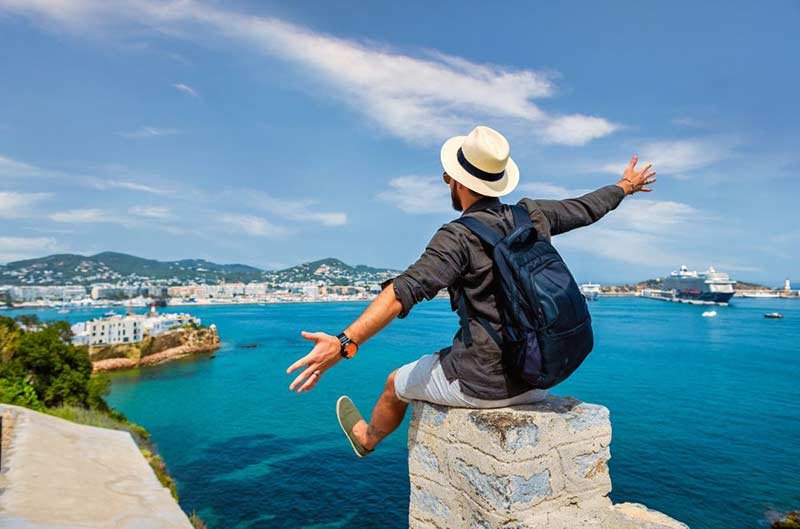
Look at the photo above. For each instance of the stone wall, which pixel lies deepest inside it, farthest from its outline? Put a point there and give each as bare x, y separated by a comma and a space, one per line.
538, 466
58, 474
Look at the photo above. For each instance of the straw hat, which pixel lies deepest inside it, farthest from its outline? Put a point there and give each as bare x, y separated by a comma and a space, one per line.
480, 161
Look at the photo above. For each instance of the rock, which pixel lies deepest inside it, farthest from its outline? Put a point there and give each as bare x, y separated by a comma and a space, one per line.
536, 466
789, 520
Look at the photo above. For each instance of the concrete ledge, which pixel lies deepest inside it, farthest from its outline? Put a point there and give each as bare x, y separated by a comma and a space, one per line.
57, 474
537, 466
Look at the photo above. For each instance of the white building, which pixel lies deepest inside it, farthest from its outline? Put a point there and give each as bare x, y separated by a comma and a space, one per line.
130, 328
109, 331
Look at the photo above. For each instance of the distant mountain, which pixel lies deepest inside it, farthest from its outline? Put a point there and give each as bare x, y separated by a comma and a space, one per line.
332, 271
113, 267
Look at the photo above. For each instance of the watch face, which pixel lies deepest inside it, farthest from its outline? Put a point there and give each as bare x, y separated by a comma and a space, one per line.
350, 350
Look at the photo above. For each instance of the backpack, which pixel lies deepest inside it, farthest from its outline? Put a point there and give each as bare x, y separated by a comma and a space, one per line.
547, 330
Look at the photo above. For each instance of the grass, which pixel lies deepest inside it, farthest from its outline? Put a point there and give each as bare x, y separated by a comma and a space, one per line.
116, 421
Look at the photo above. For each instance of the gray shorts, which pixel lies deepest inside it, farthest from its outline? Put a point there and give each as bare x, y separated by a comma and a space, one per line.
425, 380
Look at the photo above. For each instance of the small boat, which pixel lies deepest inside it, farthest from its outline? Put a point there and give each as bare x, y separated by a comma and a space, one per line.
774, 315
709, 314
110, 313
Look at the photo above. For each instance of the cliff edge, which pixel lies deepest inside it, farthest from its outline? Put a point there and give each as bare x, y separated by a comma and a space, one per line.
535, 466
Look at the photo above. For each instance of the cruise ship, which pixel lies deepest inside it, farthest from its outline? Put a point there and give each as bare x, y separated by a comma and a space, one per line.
591, 291
689, 286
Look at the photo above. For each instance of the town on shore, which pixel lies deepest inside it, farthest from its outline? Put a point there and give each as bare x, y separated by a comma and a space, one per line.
112, 279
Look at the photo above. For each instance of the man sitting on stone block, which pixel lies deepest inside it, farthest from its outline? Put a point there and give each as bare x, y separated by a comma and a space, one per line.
469, 373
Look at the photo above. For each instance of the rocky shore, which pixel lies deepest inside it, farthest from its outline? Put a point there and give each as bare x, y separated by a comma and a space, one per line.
155, 350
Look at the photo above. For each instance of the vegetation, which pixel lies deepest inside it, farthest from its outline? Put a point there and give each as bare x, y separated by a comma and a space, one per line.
41, 369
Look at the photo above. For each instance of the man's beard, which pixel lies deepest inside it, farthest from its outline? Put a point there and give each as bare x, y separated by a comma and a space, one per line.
456, 201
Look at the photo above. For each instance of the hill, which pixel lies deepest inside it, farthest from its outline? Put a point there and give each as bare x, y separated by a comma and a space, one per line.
114, 267
332, 271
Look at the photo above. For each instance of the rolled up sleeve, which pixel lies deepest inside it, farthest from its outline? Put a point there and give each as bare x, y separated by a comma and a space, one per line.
439, 266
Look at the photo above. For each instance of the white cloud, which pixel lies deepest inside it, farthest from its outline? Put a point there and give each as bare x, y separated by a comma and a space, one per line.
418, 194
128, 185
577, 129
150, 212
17, 248
15, 205
678, 157
253, 225
302, 210
14, 168
418, 98
640, 232
84, 216
186, 89
148, 132
689, 122
548, 190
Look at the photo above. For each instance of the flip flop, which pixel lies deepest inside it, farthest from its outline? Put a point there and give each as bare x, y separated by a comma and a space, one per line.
348, 416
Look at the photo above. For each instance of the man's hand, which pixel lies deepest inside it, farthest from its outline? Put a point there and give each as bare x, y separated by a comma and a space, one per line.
635, 180
322, 357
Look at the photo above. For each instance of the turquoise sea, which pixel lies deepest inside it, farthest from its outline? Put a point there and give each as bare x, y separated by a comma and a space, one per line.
705, 413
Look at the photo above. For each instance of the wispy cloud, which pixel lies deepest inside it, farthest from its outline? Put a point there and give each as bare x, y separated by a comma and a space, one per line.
417, 195
85, 216
104, 183
549, 190
303, 210
16, 169
17, 248
148, 132
688, 122
16, 205
150, 212
253, 225
418, 98
186, 89
678, 157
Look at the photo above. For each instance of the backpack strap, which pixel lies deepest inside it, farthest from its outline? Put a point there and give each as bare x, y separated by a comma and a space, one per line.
490, 237
521, 216
481, 230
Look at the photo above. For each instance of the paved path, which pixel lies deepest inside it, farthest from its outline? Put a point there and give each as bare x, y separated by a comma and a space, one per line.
57, 475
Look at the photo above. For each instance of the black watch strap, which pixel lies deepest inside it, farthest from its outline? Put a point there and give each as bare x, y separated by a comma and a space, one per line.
347, 347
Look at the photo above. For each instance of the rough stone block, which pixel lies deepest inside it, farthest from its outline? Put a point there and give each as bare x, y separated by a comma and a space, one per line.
536, 466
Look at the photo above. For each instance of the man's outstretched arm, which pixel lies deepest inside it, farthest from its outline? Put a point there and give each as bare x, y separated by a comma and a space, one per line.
566, 215
325, 353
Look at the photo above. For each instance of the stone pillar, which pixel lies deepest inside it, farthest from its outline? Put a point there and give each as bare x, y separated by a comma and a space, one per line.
537, 466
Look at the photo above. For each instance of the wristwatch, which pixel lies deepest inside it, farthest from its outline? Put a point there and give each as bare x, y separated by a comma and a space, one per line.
348, 348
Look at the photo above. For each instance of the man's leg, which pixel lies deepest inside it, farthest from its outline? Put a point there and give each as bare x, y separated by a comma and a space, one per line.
386, 417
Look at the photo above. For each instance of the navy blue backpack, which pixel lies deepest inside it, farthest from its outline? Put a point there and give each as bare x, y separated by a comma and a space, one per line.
546, 327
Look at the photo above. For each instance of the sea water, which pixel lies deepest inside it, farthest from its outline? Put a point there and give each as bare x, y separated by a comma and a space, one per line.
705, 413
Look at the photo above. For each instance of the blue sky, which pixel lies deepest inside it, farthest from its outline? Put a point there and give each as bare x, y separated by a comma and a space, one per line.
274, 133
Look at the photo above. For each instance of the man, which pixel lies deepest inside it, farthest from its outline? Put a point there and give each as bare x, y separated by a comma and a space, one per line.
478, 170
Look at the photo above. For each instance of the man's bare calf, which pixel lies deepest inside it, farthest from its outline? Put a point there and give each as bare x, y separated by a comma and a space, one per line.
386, 417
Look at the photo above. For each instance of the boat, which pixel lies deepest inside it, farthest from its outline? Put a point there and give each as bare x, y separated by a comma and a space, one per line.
110, 313
759, 294
591, 291
709, 314
774, 315
697, 288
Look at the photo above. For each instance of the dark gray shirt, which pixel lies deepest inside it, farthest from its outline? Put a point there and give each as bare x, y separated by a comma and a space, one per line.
455, 259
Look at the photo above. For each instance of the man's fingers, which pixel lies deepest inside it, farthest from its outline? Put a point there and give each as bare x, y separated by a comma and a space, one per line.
311, 381
303, 376
300, 363
311, 336
646, 189
648, 175
646, 167
649, 181
633, 161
